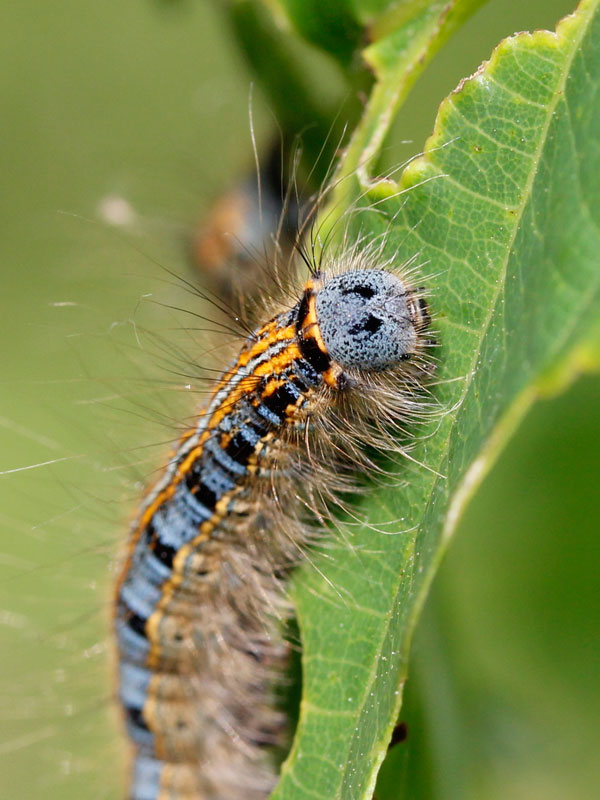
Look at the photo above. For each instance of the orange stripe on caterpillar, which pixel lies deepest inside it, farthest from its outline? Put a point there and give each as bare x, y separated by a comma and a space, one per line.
201, 597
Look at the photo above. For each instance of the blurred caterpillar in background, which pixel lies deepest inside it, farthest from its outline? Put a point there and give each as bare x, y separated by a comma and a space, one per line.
251, 227
286, 430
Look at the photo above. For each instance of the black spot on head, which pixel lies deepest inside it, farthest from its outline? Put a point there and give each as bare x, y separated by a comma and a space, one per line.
366, 320
370, 325
363, 291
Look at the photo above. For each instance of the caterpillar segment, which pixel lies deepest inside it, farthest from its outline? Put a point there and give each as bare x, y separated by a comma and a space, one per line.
201, 602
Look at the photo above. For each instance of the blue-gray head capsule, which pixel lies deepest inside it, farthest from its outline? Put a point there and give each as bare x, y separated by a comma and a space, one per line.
369, 319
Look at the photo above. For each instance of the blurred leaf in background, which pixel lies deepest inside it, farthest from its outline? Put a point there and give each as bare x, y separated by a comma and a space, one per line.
149, 107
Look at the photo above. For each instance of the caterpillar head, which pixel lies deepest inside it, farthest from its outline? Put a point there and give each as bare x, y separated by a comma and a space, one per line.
370, 320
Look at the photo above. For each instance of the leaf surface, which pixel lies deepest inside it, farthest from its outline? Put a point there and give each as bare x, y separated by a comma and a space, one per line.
504, 208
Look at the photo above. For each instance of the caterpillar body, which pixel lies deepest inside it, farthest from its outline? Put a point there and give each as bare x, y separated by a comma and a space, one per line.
201, 597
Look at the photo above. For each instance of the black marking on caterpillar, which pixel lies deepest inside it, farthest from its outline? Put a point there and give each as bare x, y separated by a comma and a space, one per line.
201, 597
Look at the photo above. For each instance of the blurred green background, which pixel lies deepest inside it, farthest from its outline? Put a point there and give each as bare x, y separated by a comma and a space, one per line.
148, 102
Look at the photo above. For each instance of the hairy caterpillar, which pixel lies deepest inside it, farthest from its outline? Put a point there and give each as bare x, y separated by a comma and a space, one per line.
201, 597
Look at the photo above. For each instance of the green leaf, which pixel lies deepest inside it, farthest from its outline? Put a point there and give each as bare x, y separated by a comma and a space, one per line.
333, 26
397, 39
342, 27
504, 208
